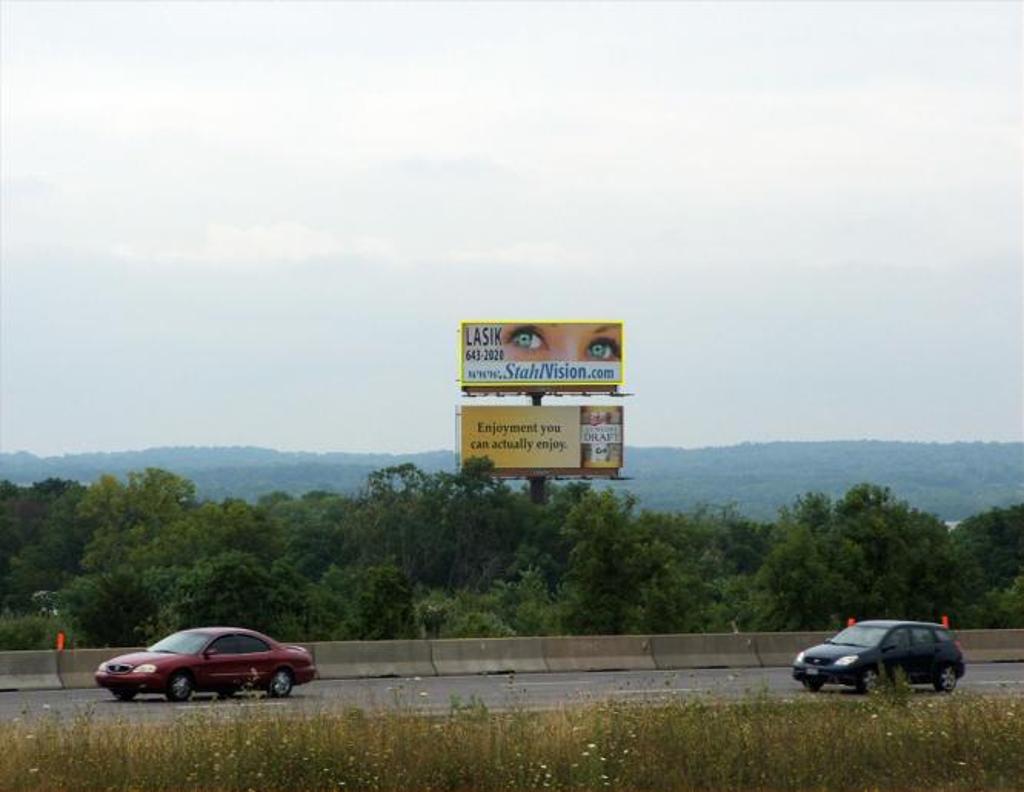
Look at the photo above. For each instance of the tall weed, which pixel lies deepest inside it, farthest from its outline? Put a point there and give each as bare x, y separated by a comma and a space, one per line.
931, 742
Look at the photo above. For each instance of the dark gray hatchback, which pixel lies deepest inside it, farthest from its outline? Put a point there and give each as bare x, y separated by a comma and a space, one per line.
925, 652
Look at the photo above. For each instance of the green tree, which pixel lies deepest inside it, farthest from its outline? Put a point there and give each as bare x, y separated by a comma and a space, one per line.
383, 606
47, 555
529, 604
603, 581
995, 540
795, 581
109, 609
232, 589
315, 530
893, 560
483, 519
674, 598
126, 517
1013, 604
875, 557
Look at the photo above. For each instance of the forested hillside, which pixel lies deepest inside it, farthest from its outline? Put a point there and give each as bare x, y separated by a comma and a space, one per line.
413, 553
950, 480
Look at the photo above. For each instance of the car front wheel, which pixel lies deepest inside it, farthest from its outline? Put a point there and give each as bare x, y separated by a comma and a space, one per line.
867, 681
814, 685
945, 679
180, 687
280, 683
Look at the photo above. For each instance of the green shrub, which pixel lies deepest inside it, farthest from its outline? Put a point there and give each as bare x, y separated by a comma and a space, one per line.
29, 632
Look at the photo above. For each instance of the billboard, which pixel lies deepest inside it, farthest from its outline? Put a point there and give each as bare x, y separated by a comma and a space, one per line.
556, 440
524, 353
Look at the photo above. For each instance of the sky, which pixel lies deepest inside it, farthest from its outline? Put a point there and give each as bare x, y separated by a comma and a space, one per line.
261, 223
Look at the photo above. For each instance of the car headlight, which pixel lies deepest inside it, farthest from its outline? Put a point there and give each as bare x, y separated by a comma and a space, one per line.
145, 668
799, 658
845, 661
102, 666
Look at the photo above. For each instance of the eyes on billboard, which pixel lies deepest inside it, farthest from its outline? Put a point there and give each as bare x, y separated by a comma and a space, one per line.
523, 353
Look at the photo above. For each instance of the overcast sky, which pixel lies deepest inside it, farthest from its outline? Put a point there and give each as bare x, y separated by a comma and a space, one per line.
260, 223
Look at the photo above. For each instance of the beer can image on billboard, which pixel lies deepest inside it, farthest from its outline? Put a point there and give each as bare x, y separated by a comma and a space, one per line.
541, 353
601, 437
573, 440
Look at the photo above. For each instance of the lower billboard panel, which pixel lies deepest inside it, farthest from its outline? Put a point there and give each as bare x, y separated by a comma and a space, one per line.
524, 441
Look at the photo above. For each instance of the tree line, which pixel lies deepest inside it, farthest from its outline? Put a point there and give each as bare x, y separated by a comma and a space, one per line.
950, 480
416, 554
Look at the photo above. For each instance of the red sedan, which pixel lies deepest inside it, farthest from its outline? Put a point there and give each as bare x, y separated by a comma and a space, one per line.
218, 659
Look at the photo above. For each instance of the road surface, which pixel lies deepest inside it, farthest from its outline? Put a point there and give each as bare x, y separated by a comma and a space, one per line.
496, 692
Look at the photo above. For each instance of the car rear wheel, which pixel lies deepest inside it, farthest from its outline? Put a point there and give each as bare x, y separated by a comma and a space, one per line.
814, 685
945, 679
281, 683
125, 695
867, 681
180, 687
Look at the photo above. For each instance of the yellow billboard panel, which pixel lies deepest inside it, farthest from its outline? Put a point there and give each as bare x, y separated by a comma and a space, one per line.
523, 353
544, 438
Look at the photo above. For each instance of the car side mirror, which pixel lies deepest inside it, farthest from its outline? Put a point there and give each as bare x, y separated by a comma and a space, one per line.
888, 647
211, 652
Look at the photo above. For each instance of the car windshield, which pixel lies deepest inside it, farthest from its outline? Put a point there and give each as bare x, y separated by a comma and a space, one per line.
859, 635
187, 642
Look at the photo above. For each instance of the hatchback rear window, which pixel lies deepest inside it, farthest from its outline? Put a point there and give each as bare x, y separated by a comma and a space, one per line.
942, 636
921, 635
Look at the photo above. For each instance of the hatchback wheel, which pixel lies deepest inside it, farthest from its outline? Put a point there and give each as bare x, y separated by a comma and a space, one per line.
814, 685
945, 679
280, 683
180, 687
867, 681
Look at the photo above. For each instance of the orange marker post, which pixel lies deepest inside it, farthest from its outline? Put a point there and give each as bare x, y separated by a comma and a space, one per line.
851, 621
60, 641
945, 621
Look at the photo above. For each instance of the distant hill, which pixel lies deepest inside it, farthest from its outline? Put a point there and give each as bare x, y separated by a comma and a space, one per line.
224, 472
951, 480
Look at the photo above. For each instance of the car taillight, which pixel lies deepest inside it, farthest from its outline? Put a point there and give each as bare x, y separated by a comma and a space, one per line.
958, 646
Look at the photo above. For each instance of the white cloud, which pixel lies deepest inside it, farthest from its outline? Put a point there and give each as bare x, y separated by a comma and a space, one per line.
539, 255
279, 243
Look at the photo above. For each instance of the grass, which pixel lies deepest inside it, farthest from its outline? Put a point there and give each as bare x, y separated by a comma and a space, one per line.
940, 743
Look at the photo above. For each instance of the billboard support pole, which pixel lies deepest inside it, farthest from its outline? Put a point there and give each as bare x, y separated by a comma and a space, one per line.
538, 488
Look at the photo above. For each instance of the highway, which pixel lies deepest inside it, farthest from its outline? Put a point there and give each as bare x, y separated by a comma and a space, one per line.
433, 695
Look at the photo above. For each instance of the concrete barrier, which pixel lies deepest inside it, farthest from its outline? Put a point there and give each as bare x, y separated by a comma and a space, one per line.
599, 653
76, 667
991, 646
708, 650
40, 670
32, 670
774, 650
341, 659
488, 655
